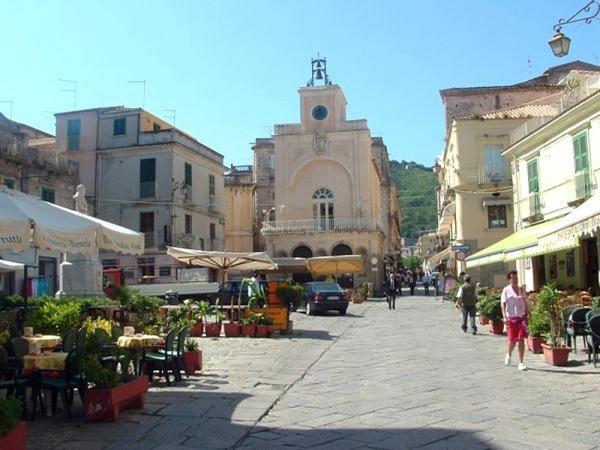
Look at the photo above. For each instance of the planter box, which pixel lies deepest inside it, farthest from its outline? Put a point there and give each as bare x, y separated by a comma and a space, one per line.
248, 330
496, 326
358, 299
534, 344
262, 331
290, 328
483, 320
232, 329
212, 329
16, 439
197, 329
556, 356
105, 404
193, 361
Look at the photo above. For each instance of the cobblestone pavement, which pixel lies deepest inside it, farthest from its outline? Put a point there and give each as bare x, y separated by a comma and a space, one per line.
374, 378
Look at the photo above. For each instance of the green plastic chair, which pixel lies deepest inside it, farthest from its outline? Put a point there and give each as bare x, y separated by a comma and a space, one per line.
68, 341
165, 358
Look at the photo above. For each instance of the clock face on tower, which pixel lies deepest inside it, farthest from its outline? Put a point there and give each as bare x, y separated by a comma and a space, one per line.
319, 112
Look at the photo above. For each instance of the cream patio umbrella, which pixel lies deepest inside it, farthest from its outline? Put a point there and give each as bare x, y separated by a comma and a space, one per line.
9, 266
29, 222
336, 265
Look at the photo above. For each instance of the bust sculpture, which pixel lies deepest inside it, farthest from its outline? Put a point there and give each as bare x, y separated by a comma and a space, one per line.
80, 201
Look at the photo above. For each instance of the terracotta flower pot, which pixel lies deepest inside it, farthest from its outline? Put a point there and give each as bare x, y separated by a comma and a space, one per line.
212, 329
483, 320
249, 330
197, 329
534, 344
556, 356
232, 329
193, 361
105, 404
262, 331
16, 439
496, 326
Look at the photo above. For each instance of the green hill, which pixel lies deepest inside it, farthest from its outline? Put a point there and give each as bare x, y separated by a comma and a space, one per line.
416, 191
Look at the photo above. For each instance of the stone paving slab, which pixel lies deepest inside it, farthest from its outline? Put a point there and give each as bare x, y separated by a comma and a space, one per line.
375, 379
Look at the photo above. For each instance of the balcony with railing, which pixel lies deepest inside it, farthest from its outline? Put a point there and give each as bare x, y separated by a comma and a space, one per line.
325, 225
150, 240
485, 175
535, 204
147, 189
583, 184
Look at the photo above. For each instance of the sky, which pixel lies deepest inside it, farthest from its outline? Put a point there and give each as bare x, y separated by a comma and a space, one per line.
231, 69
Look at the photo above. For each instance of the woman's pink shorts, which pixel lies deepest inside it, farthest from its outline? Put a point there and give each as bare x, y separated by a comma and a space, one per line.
516, 329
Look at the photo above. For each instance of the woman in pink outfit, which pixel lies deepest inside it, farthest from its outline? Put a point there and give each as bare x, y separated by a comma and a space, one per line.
514, 311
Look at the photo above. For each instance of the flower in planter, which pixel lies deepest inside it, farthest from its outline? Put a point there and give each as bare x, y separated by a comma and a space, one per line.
10, 414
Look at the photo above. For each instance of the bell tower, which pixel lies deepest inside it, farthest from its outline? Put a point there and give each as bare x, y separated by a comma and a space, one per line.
319, 72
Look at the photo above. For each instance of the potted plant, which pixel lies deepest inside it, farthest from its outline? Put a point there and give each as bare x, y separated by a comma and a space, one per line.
262, 325
107, 395
489, 306
360, 294
538, 327
192, 356
232, 329
13, 435
202, 312
482, 291
214, 329
549, 303
248, 325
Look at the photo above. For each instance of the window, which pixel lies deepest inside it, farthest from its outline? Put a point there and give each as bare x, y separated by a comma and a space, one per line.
583, 187
323, 207
73, 134
164, 271
532, 176
147, 227
213, 235
188, 174
494, 171
155, 126
201, 241
211, 185
147, 177
48, 195
188, 224
9, 183
119, 126
497, 216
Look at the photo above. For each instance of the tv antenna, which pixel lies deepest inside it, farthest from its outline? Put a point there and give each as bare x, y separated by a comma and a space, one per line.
170, 116
73, 89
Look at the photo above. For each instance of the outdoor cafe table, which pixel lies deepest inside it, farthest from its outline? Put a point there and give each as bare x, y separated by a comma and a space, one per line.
139, 342
45, 361
45, 340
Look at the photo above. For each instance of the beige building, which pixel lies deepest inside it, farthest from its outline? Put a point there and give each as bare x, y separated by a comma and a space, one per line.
556, 170
142, 173
239, 209
475, 204
29, 163
323, 186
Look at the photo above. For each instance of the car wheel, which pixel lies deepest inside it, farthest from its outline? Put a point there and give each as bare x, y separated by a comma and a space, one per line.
309, 309
342, 312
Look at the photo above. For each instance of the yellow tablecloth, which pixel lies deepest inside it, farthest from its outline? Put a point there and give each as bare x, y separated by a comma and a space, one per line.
46, 340
44, 361
139, 341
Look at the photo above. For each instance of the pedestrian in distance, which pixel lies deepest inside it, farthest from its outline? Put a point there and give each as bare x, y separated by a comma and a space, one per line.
412, 282
398, 280
426, 279
514, 312
466, 299
391, 291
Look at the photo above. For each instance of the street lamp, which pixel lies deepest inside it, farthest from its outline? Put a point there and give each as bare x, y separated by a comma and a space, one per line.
436, 167
559, 43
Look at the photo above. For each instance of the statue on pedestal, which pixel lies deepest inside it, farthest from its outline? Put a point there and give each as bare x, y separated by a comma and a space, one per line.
80, 201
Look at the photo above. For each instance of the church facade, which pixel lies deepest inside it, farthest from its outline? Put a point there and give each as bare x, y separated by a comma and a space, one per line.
323, 187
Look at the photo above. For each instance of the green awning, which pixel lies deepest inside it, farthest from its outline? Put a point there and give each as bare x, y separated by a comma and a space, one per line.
521, 244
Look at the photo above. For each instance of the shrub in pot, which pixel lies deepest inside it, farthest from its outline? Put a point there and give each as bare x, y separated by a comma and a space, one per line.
232, 329
12, 429
489, 306
214, 329
549, 303
248, 326
538, 327
290, 295
192, 357
262, 325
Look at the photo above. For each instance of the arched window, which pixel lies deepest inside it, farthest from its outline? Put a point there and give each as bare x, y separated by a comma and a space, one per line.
323, 208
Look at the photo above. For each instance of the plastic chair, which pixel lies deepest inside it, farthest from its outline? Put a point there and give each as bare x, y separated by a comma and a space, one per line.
577, 326
68, 341
566, 312
593, 338
163, 358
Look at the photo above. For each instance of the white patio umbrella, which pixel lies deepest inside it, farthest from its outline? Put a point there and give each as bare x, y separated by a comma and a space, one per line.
9, 266
27, 221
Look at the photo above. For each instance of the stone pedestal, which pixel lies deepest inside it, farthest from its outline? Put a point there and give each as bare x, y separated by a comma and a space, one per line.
84, 276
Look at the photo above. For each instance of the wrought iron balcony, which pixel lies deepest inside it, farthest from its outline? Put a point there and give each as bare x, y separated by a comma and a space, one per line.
149, 241
583, 184
330, 225
147, 189
535, 204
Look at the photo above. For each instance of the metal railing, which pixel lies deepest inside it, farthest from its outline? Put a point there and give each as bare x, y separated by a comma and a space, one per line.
149, 241
147, 189
535, 204
583, 184
325, 225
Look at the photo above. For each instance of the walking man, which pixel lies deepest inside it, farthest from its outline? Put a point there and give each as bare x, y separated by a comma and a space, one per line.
466, 299
391, 291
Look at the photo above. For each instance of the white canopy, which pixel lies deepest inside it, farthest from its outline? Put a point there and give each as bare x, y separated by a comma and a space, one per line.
223, 260
336, 265
9, 266
27, 221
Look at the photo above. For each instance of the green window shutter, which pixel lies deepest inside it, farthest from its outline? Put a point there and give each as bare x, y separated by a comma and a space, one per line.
148, 170
532, 175
188, 174
580, 152
119, 126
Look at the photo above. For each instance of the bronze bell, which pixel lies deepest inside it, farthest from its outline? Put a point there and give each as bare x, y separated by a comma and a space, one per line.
319, 75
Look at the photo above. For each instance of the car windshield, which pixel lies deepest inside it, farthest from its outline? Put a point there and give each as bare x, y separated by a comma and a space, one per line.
325, 287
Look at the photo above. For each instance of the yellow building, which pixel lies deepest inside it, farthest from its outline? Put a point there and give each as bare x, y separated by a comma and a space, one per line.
555, 172
239, 209
323, 185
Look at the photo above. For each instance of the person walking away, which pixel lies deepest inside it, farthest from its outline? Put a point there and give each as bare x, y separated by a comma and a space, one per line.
426, 279
514, 312
391, 291
412, 282
466, 299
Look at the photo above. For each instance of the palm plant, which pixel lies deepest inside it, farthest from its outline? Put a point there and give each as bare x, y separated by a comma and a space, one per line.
549, 303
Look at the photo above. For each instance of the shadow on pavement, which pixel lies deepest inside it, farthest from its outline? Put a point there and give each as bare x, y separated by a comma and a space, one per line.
310, 334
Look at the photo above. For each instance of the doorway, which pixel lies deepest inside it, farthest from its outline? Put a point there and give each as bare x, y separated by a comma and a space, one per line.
539, 271
47, 276
590, 264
